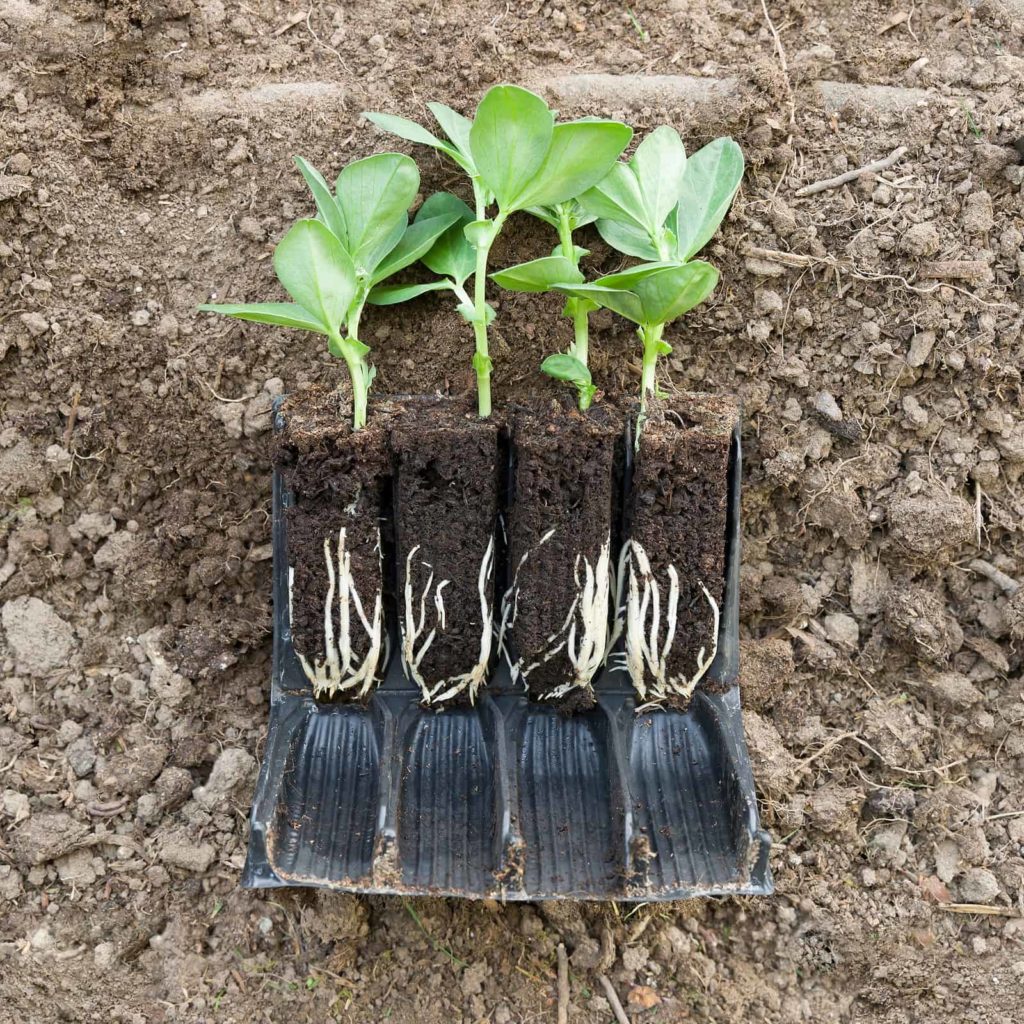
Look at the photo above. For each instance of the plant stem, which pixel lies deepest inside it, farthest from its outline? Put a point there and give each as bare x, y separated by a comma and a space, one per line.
580, 315
482, 362
650, 335
358, 369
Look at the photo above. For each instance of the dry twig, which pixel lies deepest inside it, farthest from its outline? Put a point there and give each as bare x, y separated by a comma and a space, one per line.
841, 179
612, 997
563, 985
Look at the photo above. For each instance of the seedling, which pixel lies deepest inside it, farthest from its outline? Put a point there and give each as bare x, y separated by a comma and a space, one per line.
329, 265
517, 158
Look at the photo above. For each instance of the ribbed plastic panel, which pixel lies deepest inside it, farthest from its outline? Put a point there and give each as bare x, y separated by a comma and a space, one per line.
508, 799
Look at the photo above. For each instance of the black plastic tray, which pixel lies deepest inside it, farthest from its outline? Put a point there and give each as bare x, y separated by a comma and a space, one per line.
509, 799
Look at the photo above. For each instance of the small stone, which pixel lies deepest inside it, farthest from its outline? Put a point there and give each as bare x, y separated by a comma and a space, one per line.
232, 768
173, 787
921, 239
77, 868
180, 852
68, 732
833, 808
842, 630
473, 978
977, 215
238, 153
916, 415
167, 327
45, 837
104, 955
35, 323
978, 885
81, 756
826, 406
94, 525
249, 227
40, 640
16, 805
921, 346
954, 690
58, 458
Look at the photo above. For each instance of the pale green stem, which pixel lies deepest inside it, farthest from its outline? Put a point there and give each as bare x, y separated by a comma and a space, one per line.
581, 315
358, 368
650, 335
482, 361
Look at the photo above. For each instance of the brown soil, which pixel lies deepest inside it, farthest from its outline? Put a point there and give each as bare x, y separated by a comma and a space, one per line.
563, 480
446, 505
339, 480
678, 502
146, 167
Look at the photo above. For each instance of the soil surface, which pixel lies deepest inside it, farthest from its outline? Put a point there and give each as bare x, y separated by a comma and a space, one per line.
446, 514
340, 486
678, 502
871, 330
563, 485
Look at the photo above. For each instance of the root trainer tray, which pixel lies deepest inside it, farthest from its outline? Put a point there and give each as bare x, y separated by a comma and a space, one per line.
508, 798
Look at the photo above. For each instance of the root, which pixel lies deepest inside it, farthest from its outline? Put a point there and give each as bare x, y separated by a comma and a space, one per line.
645, 604
341, 670
414, 623
584, 635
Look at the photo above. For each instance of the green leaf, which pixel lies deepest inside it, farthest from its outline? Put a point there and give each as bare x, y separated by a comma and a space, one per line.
617, 300
616, 197
659, 164
373, 196
457, 128
451, 255
628, 239
415, 243
545, 214
669, 293
628, 279
509, 141
581, 153
479, 233
392, 294
280, 314
317, 272
323, 197
538, 275
565, 367
578, 252
713, 175
405, 129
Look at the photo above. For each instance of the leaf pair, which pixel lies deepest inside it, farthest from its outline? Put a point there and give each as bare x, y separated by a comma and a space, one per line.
661, 205
516, 151
360, 237
652, 293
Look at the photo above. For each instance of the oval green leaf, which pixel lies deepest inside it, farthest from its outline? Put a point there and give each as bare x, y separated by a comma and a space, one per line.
580, 155
669, 293
618, 301
451, 255
317, 272
278, 314
373, 197
562, 366
509, 140
628, 239
659, 164
392, 294
538, 275
322, 196
712, 177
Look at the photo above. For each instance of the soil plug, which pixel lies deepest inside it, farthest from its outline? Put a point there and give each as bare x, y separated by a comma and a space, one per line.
517, 158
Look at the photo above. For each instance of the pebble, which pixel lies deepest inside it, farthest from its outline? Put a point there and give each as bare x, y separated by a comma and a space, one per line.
842, 629
232, 768
35, 323
921, 239
181, 852
825, 405
978, 885
40, 640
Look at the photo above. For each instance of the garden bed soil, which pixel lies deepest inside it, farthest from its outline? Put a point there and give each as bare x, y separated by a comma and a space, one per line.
677, 514
339, 480
447, 483
563, 489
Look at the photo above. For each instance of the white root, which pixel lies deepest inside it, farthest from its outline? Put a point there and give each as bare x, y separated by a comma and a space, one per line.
584, 635
645, 605
414, 623
341, 670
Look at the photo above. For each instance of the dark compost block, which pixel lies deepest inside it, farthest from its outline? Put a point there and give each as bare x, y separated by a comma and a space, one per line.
509, 798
